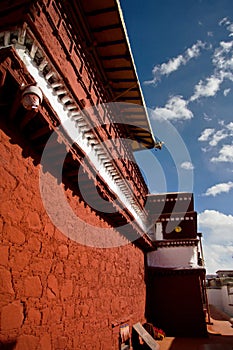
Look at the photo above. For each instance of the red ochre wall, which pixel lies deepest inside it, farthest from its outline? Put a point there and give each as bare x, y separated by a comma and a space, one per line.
54, 292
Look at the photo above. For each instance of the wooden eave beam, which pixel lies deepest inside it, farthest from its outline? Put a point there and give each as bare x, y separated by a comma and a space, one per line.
129, 98
123, 80
110, 43
118, 69
12, 13
115, 57
40, 132
101, 11
106, 28
121, 89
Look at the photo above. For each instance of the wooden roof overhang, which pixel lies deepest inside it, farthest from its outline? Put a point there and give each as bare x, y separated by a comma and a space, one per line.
121, 85
103, 30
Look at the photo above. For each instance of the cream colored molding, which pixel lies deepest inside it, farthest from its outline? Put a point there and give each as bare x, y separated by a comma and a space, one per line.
71, 117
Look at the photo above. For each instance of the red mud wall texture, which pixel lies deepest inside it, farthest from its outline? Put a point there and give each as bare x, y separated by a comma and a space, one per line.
54, 292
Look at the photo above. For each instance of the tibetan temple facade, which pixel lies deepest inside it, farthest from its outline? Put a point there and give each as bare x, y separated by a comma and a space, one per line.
78, 265
176, 291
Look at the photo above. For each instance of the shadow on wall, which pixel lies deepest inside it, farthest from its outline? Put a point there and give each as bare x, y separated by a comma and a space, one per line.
7, 346
218, 314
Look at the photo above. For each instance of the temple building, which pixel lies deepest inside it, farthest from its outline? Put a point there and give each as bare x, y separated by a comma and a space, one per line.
86, 251
176, 290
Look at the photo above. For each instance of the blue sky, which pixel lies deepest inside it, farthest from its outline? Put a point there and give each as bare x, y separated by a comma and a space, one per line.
183, 52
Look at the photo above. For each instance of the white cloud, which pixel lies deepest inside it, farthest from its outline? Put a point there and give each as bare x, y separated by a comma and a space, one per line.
176, 108
174, 63
206, 117
218, 136
218, 239
206, 134
169, 67
225, 154
187, 166
221, 122
214, 137
230, 127
207, 88
217, 257
204, 149
194, 51
222, 58
230, 27
224, 21
219, 188
222, 61
218, 226
226, 92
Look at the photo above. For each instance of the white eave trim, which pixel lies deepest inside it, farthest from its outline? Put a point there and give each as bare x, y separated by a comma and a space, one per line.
75, 125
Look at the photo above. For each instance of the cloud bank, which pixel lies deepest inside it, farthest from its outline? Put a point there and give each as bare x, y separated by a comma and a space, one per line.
217, 239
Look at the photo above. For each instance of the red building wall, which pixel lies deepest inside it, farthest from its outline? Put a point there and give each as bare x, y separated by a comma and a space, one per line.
54, 292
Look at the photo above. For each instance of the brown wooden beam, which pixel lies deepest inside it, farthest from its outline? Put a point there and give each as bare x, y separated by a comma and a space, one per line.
27, 118
101, 11
107, 27
40, 132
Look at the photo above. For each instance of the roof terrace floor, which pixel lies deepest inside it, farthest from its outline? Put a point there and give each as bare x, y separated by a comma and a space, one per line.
220, 336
